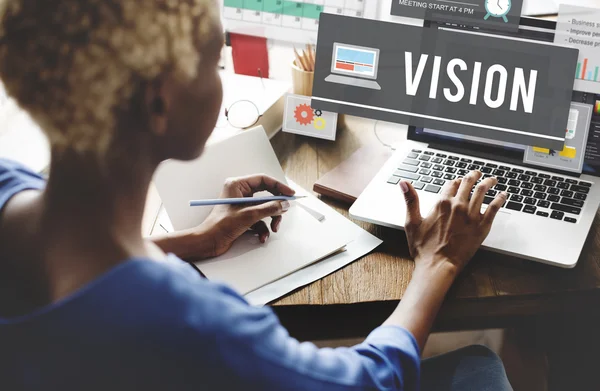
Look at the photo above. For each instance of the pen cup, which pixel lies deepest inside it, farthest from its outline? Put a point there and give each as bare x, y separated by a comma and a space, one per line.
302, 84
302, 81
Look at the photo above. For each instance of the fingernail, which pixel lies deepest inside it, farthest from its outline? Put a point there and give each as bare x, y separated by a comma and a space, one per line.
404, 186
277, 224
504, 194
285, 205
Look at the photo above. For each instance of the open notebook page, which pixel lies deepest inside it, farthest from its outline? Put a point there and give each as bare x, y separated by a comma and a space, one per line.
249, 265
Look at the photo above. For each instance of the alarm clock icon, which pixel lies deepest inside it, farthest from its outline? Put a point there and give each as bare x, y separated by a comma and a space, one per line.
497, 9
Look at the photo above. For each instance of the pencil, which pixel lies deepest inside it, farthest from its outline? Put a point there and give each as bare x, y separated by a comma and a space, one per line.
299, 61
245, 200
307, 61
310, 56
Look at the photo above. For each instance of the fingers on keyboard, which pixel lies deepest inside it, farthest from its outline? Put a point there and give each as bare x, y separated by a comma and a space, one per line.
530, 192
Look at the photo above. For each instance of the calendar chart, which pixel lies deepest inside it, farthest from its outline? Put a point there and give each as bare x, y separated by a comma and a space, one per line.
293, 21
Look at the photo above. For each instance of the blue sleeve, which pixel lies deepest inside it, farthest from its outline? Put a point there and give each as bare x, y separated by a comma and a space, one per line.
15, 178
253, 344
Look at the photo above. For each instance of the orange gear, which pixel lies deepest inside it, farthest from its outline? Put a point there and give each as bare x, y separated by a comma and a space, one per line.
304, 114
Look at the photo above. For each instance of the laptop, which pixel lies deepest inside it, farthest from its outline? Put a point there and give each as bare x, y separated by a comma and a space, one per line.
553, 195
354, 66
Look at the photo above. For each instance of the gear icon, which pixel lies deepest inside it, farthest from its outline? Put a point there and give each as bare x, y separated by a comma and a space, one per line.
318, 113
303, 114
319, 123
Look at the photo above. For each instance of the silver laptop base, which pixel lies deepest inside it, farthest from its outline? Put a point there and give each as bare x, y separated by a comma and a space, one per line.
352, 81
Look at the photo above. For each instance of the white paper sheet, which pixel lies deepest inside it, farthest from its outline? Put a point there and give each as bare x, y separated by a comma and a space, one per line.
362, 243
248, 262
246, 153
301, 241
249, 265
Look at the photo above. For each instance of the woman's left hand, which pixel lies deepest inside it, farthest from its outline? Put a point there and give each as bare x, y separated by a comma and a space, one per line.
226, 223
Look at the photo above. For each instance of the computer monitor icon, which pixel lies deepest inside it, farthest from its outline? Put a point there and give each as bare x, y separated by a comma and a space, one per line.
354, 65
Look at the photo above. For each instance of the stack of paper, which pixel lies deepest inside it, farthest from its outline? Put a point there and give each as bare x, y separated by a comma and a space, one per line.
359, 243
250, 265
308, 245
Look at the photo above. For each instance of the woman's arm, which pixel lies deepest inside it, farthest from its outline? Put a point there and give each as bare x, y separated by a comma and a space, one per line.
442, 244
422, 300
249, 346
228, 222
252, 347
190, 244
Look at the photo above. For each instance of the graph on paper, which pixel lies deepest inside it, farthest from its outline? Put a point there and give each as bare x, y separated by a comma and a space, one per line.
587, 71
291, 21
577, 28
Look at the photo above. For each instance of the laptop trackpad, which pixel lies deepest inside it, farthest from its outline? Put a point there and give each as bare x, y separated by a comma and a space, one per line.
502, 232
501, 220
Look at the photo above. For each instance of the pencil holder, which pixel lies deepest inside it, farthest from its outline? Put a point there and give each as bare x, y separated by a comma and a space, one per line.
302, 81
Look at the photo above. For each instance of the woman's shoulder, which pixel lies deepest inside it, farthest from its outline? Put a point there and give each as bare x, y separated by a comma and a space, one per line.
14, 178
10, 169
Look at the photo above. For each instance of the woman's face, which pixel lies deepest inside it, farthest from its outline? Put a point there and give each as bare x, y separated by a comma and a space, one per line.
194, 108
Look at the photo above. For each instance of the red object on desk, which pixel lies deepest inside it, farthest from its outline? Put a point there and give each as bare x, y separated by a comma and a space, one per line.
250, 55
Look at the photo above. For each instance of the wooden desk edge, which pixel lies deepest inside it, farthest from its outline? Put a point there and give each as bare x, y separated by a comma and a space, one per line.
318, 322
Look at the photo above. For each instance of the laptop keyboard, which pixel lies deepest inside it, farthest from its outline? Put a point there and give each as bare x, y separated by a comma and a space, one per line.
552, 196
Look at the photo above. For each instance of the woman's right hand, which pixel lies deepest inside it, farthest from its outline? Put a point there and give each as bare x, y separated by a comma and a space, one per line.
455, 228
441, 244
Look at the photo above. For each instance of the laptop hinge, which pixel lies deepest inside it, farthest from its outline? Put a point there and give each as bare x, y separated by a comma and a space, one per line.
475, 153
497, 157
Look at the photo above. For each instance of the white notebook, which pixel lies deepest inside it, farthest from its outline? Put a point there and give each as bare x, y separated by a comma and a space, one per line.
248, 265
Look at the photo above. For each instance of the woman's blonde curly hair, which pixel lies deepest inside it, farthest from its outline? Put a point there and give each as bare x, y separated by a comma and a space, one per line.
74, 64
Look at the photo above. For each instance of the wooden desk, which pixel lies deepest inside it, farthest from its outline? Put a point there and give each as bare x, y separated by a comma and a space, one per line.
494, 290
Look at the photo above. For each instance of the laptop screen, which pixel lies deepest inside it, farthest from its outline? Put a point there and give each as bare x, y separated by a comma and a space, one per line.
582, 148
355, 60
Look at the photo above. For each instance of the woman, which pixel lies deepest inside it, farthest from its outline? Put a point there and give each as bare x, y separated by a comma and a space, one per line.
119, 86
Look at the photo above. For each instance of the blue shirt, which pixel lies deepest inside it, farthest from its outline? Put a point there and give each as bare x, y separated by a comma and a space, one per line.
146, 325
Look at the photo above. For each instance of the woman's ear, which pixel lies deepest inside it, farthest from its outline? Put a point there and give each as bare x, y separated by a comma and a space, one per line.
156, 102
